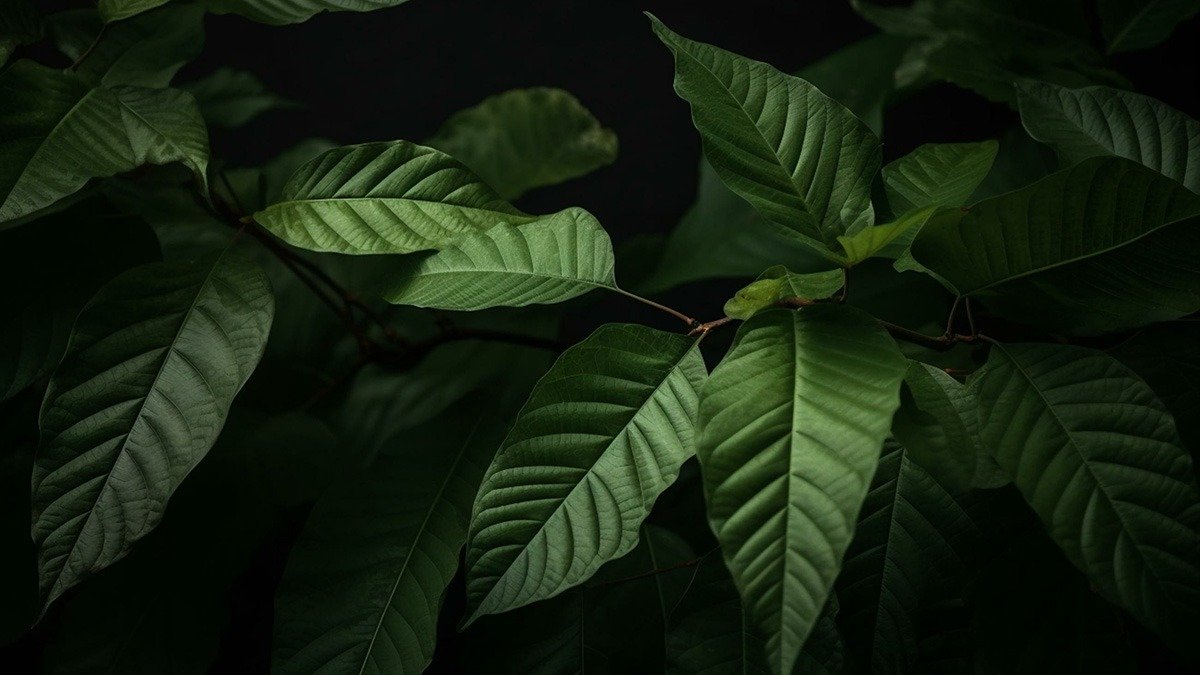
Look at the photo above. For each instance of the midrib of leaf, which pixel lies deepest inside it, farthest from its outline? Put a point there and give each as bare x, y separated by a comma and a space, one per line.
141, 409
887, 545
1078, 258
420, 534
1104, 489
792, 481
518, 273
583, 478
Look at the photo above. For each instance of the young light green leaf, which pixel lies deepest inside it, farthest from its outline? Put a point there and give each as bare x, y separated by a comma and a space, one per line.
396, 197
116, 10
365, 581
907, 550
603, 433
231, 98
527, 138
791, 423
1120, 255
889, 239
1098, 121
544, 262
154, 362
20, 23
761, 130
938, 174
1096, 455
938, 424
58, 133
1129, 25
777, 283
280, 12
145, 51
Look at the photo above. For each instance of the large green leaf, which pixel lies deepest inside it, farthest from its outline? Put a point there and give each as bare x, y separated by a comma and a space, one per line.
58, 263
603, 433
145, 51
543, 262
938, 174
364, 583
527, 138
1139, 24
116, 10
1104, 245
791, 423
154, 362
230, 98
799, 157
1097, 121
861, 76
279, 12
906, 553
59, 132
394, 197
1096, 455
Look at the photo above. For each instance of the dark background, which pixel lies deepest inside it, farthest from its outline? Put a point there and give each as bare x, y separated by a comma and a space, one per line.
398, 73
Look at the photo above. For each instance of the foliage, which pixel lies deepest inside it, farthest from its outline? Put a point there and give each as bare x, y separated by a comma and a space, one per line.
955, 431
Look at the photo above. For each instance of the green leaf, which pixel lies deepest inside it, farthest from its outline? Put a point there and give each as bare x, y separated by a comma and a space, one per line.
365, 581
154, 362
116, 10
777, 283
1120, 254
396, 197
543, 262
906, 553
938, 424
761, 130
748, 242
231, 98
938, 174
59, 262
1098, 121
1167, 357
59, 133
527, 138
1019, 162
603, 433
20, 23
889, 239
861, 76
280, 12
145, 51
791, 423
1129, 25
1096, 455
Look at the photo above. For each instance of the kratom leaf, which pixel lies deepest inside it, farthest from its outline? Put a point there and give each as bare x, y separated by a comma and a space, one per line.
761, 130
396, 197
543, 262
20, 24
59, 132
1019, 162
603, 433
365, 581
791, 423
154, 362
906, 552
861, 76
1138, 24
145, 51
777, 283
230, 98
91, 243
748, 242
1096, 455
527, 138
938, 174
1097, 121
938, 425
116, 10
1167, 357
1120, 254
280, 12
889, 239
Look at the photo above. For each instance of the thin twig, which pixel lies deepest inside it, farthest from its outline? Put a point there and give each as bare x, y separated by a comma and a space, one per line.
704, 328
953, 311
687, 320
90, 48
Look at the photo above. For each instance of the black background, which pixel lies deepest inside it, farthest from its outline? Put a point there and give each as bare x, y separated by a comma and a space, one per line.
398, 73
